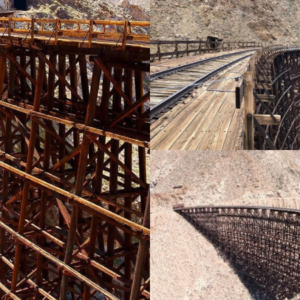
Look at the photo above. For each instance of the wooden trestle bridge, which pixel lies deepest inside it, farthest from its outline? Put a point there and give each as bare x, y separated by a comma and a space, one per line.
74, 133
238, 96
260, 243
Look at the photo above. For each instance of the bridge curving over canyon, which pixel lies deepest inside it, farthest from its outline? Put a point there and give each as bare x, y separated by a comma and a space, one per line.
260, 243
74, 137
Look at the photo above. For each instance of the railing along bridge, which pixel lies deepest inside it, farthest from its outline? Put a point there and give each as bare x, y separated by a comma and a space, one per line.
262, 244
179, 48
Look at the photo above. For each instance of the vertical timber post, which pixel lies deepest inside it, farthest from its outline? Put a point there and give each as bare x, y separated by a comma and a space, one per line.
91, 32
83, 161
25, 193
249, 112
7, 146
142, 254
158, 51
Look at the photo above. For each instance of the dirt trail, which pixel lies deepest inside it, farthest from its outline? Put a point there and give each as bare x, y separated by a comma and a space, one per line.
184, 265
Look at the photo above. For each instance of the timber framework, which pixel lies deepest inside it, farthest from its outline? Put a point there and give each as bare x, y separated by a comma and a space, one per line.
74, 138
260, 243
272, 99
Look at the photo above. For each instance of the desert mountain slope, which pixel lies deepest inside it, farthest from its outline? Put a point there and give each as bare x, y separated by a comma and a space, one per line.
184, 265
225, 178
89, 9
270, 21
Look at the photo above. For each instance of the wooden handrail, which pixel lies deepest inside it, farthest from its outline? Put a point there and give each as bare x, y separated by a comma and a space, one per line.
200, 46
77, 21
94, 31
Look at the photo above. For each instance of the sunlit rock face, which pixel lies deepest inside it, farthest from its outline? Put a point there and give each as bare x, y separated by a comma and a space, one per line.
5, 4
89, 9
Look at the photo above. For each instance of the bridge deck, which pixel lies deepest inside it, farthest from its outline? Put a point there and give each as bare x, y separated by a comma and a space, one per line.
206, 120
162, 65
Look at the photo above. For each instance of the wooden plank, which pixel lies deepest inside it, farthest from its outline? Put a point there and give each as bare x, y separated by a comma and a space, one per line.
235, 134
267, 119
184, 127
215, 135
194, 133
172, 131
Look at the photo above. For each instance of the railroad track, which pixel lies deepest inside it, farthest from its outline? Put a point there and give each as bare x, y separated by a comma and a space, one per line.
169, 86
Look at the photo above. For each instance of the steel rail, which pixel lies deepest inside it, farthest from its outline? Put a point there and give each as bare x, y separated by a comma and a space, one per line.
158, 108
170, 71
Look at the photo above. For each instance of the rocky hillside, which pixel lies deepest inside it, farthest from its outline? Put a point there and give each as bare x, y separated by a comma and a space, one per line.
4, 5
89, 9
184, 265
269, 21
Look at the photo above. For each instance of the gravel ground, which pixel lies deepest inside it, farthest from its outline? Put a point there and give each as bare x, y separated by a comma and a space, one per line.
184, 265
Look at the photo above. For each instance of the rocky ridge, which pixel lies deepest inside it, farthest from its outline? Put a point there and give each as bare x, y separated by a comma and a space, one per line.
88, 9
269, 21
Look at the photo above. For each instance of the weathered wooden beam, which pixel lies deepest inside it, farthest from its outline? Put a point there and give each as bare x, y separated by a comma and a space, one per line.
5, 178
89, 129
116, 85
80, 176
129, 110
249, 111
34, 128
141, 257
59, 263
267, 119
73, 198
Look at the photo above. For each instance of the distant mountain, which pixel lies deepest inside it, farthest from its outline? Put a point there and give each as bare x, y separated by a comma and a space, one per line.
142, 3
271, 21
